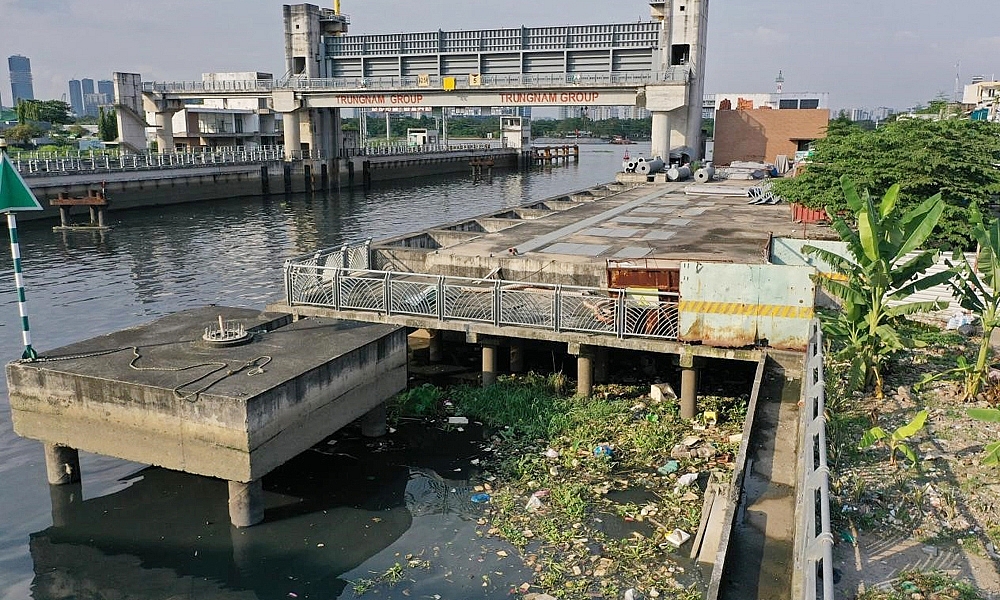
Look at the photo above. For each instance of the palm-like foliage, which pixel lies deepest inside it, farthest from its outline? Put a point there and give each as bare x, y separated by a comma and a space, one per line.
876, 272
978, 289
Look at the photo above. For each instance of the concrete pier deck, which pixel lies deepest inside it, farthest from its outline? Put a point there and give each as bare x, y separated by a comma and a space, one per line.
570, 239
157, 394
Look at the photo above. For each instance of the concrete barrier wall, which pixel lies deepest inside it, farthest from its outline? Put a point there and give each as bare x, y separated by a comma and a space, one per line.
137, 189
731, 305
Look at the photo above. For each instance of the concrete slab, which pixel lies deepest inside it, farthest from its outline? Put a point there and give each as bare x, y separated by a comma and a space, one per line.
659, 235
632, 252
637, 220
577, 249
612, 232
157, 394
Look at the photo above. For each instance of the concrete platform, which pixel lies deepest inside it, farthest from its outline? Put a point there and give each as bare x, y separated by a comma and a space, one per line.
157, 394
568, 240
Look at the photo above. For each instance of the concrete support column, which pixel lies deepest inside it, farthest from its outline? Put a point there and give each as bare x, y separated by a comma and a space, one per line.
373, 423
435, 346
246, 503
584, 373
62, 464
65, 499
293, 143
689, 388
307, 131
517, 357
661, 135
601, 361
164, 131
489, 365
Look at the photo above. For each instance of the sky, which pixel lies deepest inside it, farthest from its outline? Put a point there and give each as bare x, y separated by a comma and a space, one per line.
865, 53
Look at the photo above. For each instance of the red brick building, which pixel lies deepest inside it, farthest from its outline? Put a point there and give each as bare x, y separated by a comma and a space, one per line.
763, 134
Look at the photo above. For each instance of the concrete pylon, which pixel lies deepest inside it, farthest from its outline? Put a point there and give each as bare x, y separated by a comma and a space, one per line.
661, 135
293, 143
165, 131
489, 364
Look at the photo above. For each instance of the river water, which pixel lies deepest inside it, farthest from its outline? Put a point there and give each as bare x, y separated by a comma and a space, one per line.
336, 515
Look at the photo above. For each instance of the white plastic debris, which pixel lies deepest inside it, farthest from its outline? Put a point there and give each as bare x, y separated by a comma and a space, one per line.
687, 479
458, 420
677, 537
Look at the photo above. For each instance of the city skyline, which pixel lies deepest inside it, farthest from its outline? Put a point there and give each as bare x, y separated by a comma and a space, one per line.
900, 55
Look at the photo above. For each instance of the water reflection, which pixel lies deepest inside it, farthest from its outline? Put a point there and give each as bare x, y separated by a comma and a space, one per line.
347, 506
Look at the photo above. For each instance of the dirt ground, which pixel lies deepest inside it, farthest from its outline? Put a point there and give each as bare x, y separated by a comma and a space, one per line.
941, 513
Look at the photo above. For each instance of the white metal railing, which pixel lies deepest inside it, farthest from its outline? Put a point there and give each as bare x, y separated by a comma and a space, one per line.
813, 535
433, 82
405, 149
42, 164
336, 279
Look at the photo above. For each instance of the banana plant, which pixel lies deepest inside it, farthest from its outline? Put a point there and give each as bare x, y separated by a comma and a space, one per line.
876, 271
978, 290
897, 440
991, 454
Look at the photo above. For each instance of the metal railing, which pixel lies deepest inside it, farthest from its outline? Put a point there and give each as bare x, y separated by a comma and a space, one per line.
40, 166
336, 279
814, 549
433, 82
405, 149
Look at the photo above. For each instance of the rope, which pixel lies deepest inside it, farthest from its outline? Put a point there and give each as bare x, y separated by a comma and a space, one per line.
252, 367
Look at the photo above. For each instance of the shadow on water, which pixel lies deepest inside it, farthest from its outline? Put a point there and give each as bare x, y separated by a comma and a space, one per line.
328, 511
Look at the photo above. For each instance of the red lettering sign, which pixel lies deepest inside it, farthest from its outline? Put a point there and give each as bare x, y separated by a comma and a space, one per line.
550, 98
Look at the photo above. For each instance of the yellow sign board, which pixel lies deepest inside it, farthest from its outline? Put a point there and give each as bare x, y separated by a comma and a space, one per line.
448, 83
423, 80
475, 79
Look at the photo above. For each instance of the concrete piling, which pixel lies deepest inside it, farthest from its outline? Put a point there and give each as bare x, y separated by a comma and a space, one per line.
517, 357
489, 365
584, 374
246, 503
435, 348
62, 464
689, 391
65, 498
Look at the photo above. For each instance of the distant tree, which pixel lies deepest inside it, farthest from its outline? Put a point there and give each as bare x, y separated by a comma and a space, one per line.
45, 111
54, 111
21, 134
955, 157
76, 131
107, 125
27, 111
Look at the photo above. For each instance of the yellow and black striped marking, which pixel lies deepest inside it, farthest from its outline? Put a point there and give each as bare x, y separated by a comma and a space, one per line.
783, 311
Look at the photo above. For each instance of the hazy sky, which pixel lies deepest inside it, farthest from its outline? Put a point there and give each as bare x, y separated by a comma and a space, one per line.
868, 53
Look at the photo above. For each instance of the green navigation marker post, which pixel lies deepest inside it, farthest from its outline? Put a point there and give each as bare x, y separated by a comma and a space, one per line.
15, 195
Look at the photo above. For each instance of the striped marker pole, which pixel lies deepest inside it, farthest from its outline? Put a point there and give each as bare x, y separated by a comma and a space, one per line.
22, 303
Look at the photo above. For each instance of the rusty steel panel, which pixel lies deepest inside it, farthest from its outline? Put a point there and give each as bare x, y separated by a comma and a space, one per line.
663, 275
731, 305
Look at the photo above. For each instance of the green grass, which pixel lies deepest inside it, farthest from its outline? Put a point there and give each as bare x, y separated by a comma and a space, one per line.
928, 585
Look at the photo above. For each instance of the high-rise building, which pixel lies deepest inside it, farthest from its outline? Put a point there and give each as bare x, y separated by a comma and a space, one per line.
106, 87
20, 78
76, 96
89, 106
